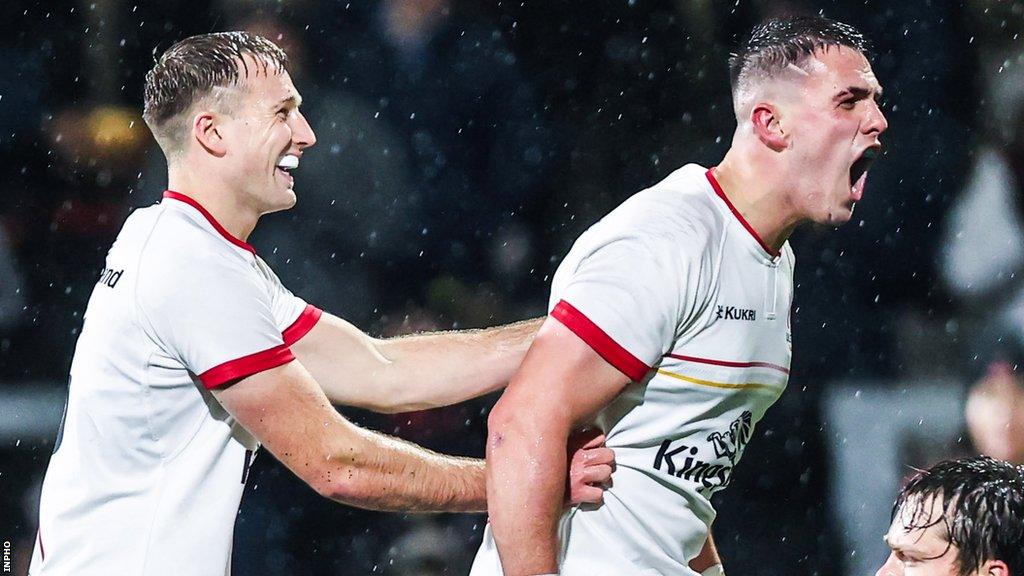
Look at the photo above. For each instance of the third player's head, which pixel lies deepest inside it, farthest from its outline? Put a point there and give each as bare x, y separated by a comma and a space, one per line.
225, 111
959, 518
805, 101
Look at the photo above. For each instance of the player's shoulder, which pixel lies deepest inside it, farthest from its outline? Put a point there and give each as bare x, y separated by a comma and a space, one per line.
676, 213
176, 245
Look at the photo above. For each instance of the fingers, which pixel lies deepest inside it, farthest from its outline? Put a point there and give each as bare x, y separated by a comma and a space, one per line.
596, 456
591, 464
600, 474
588, 494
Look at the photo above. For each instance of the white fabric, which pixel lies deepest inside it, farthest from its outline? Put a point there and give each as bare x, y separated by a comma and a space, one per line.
674, 279
983, 241
149, 469
715, 570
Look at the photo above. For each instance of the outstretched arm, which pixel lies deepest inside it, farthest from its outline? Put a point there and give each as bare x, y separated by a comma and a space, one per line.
560, 386
289, 414
412, 372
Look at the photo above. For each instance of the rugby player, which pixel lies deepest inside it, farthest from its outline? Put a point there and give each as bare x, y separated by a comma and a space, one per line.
669, 322
959, 518
193, 354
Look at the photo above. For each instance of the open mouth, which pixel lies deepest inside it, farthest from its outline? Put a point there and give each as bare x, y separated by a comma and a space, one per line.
861, 165
286, 164
859, 170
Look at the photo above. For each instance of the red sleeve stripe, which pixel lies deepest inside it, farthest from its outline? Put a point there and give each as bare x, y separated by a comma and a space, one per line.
246, 366
600, 341
302, 325
729, 363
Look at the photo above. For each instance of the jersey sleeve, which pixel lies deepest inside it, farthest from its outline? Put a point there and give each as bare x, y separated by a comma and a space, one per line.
213, 315
293, 314
626, 300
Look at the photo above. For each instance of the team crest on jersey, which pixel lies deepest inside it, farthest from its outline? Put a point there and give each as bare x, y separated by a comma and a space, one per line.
678, 459
730, 443
735, 313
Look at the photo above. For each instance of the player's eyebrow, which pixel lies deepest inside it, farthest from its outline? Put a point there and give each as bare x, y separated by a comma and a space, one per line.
859, 92
293, 99
892, 546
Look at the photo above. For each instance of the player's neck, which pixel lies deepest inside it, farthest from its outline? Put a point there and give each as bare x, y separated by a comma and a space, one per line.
217, 198
758, 198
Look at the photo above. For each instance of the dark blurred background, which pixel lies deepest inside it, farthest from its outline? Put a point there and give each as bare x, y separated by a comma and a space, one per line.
463, 145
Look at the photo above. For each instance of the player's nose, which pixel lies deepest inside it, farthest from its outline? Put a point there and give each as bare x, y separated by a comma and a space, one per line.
876, 123
302, 133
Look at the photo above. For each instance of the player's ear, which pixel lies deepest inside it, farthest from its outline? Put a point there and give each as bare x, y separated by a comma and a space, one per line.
994, 568
207, 130
764, 117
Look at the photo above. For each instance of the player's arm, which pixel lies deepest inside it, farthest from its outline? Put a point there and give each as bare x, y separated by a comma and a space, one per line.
562, 383
411, 372
289, 414
708, 562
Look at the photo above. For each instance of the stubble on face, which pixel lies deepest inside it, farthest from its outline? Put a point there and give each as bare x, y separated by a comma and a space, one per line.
824, 116
261, 138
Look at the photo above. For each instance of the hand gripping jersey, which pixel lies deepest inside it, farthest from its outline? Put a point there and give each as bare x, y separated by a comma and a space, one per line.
148, 469
675, 290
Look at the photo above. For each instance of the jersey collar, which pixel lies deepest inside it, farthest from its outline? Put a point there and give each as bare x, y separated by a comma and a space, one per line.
209, 218
721, 194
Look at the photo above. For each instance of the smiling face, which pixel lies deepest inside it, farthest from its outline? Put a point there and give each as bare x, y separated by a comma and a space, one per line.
264, 134
832, 122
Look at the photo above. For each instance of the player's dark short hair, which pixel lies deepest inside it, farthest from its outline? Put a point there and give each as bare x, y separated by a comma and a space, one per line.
983, 509
774, 45
190, 69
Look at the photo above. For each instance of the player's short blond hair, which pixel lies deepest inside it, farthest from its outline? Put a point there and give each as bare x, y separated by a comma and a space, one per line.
193, 69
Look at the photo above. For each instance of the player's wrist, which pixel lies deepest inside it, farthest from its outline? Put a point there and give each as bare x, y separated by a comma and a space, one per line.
716, 570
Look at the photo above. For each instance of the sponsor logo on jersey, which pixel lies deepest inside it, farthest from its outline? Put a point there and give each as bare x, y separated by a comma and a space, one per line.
680, 459
735, 313
109, 277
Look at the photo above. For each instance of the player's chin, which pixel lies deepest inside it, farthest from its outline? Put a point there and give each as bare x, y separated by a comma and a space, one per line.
835, 215
288, 199
841, 214
282, 200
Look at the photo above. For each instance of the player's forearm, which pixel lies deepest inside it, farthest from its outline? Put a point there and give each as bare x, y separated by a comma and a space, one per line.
525, 491
384, 473
443, 368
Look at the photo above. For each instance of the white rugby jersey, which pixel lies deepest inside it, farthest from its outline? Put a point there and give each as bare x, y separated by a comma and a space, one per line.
675, 290
148, 469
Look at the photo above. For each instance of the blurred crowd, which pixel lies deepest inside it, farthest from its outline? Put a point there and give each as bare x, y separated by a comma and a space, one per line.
462, 146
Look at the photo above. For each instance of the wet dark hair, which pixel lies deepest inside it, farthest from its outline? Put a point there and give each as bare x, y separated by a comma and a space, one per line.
983, 509
777, 43
190, 69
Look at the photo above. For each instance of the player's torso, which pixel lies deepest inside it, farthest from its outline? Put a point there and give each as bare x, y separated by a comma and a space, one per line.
693, 416
148, 469
679, 434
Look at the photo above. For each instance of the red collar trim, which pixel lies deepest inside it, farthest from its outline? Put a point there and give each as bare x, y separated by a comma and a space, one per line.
736, 213
209, 217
